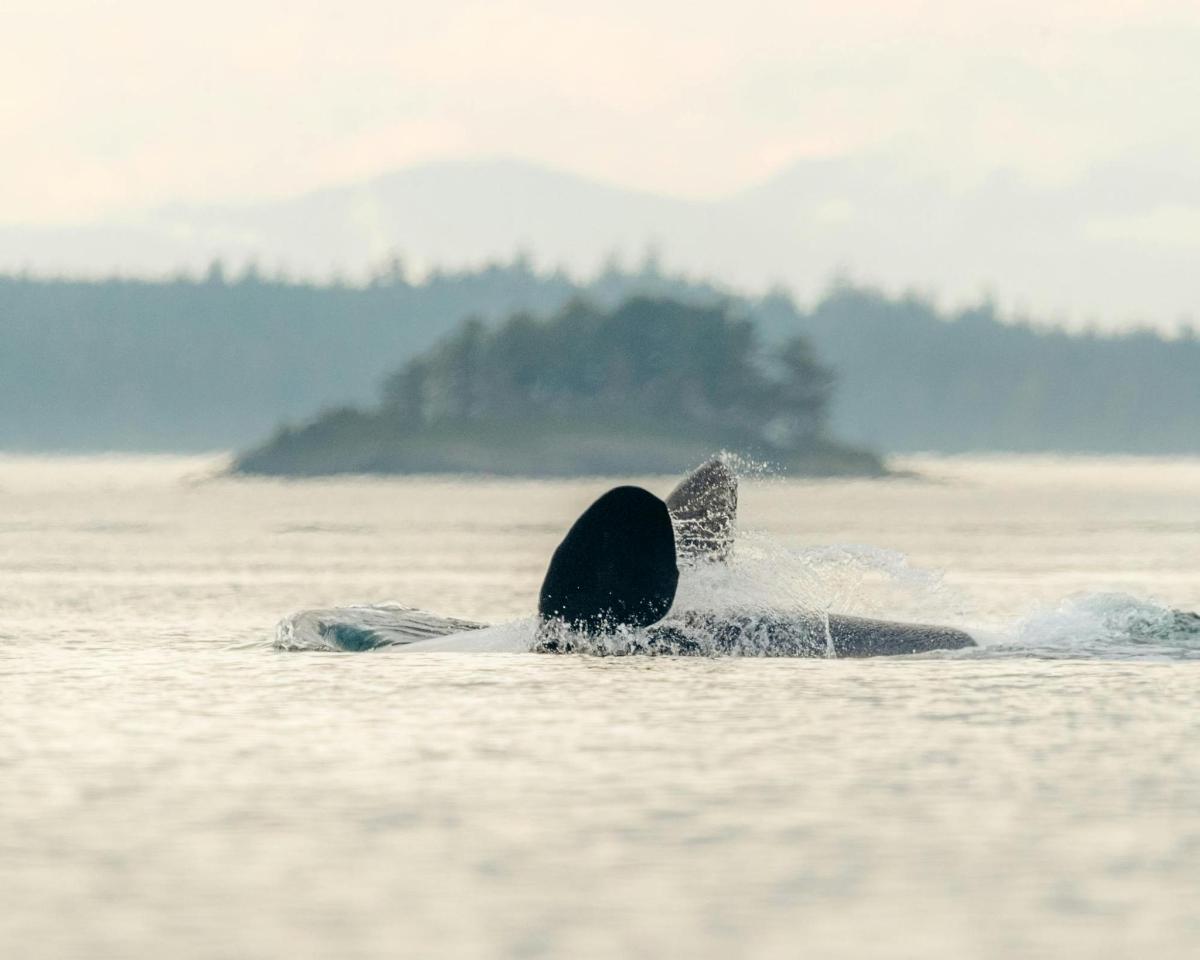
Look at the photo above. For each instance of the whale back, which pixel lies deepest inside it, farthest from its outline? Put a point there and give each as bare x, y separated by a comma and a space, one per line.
616, 565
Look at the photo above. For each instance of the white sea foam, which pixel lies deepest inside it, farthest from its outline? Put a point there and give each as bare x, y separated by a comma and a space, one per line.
1097, 625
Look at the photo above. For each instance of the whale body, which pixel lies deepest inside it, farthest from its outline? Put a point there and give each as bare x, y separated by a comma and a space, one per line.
609, 590
747, 634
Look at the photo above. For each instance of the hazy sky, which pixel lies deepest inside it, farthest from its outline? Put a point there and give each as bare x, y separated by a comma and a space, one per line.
114, 106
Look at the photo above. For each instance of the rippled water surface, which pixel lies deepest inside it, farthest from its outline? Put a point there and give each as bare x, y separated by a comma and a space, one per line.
171, 786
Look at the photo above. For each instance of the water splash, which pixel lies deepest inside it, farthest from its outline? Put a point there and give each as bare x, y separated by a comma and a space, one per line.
763, 574
1096, 625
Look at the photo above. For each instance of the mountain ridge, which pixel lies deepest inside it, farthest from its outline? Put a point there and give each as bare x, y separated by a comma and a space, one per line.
1115, 245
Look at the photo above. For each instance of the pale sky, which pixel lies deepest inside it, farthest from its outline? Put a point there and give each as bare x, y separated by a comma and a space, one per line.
112, 107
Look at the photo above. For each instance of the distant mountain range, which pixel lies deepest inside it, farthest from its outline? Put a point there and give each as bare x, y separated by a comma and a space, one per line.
1116, 246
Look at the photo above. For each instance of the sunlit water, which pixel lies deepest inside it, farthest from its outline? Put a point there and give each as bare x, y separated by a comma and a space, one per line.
172, 786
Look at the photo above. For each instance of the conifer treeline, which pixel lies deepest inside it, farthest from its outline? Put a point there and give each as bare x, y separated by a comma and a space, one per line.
653, 385
217, 361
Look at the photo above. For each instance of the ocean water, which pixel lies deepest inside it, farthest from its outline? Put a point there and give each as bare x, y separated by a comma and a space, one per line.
171, 785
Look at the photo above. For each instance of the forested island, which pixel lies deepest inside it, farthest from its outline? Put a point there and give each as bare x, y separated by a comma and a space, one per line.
654, 385
215, 362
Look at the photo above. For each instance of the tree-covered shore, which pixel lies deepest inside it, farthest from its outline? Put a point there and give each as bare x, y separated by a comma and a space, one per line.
651, 386
215, 362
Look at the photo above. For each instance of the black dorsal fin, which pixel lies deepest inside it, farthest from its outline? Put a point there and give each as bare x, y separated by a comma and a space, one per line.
616, 565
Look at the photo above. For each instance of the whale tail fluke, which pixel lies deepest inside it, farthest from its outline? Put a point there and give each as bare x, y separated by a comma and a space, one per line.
616, 566
704, 508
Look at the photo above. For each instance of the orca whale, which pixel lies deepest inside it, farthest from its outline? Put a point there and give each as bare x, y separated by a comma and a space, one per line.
611, 584
616, 568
